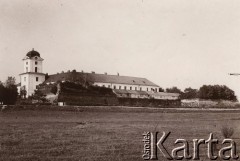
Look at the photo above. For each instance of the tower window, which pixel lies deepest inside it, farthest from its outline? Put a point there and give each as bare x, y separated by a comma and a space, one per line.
36, 62
26, 63
26, 69
36, 69
36, 79
25, 79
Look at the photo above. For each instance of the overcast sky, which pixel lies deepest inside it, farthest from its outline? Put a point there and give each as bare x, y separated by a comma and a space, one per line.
183, 43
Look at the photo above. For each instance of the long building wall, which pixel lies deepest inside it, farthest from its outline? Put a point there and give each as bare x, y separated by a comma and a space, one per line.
127, 86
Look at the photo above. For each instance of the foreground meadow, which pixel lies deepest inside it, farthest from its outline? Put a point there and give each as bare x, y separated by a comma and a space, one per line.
103, 133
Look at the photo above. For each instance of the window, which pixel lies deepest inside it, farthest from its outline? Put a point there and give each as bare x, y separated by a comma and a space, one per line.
114, 87
130, 88
119, 87
109, 86
36, 79
125, 87
36, 69
140, 88
135, 88
103, 85
147, 89
26, 69
36, 62
25, 79
26, 63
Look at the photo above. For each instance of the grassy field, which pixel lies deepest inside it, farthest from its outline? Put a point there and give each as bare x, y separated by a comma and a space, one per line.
102, 133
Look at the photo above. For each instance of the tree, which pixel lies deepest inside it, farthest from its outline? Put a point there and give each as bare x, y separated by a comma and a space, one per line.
54, 89
10, 81
39, 96
217, 92
2, 91
174, 90
190, 93
23, 92
9, 91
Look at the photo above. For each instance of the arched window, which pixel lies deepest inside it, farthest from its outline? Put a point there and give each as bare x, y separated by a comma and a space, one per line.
36, 69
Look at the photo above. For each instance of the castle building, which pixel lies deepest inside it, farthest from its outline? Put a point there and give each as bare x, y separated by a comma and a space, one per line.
122, 85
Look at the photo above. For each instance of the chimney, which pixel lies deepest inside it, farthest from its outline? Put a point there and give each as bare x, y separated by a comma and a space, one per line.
62, 71
118, 74
74, 71
82, 71
68, 71
105, 73
93, 72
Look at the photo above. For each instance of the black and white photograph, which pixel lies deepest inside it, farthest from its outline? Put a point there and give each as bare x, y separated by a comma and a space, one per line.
119, 80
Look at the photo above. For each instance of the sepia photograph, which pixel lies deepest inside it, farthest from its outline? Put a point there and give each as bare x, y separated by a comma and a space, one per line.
119, 80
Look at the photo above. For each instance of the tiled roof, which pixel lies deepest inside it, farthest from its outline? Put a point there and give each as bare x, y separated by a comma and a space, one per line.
99, 78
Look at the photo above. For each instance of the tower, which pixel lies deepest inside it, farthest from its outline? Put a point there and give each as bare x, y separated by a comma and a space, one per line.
32, 75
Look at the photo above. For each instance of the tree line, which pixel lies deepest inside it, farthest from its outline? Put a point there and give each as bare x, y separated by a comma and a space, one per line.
213, 92
8, 91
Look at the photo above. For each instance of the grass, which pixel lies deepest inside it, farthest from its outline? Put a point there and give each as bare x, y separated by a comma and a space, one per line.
96, 133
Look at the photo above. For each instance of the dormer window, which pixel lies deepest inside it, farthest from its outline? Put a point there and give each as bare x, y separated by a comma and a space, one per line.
36, 62
36, 58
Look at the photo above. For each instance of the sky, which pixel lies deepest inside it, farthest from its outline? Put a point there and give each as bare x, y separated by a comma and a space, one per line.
183, 43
